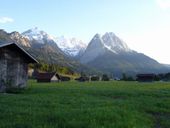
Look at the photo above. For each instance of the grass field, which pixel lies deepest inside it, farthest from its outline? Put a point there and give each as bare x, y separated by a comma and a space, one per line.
87, 105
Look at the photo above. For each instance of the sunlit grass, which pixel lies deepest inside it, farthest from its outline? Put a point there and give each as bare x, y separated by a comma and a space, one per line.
111, 104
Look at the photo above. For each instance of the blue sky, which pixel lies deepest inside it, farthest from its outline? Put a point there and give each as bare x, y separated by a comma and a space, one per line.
143, 24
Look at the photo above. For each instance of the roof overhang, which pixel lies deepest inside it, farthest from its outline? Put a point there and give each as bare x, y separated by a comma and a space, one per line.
12, 45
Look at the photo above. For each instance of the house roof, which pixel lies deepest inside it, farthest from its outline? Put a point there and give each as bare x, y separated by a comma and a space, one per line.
45, 75
14, 46
145, 75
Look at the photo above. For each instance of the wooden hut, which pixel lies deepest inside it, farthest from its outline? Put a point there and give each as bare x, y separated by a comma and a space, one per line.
14, 62
47, 77
145, 77
82, 79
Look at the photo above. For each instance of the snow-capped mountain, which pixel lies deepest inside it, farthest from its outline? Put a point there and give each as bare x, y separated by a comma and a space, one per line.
108, 53
40, 39
18, 38
112, 42
71, 46
95, 48
38, 35
101, 44
105, 53
45, 52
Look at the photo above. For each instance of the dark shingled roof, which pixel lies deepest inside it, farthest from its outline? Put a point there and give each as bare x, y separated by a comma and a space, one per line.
45, 75
16, 47
145, 75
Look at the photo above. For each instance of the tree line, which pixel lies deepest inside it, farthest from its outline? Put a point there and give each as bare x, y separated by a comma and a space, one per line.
44, 67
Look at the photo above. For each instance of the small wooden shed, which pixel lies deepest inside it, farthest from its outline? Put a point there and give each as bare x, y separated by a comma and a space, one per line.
47, 77
14, 62
145, 77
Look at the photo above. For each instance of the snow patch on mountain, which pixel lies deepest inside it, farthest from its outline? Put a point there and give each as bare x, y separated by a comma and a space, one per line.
71, 46
109, 48
114, 43
101, 44
21, 40
38, 35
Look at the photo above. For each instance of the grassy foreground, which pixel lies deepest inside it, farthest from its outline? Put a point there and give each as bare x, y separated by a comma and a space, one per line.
87, 105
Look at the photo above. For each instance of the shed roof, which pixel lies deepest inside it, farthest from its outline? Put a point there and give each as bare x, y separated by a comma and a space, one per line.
47, 75
14, 46
145, 75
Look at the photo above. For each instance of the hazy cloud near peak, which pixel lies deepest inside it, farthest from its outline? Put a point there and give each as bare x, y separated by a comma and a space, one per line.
163, 3
4, 20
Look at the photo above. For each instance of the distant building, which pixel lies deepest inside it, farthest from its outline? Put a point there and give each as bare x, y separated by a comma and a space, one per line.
82, 79
47, 77
94, 78
65, 78
14, 62
116, 78
145, 77
166, 77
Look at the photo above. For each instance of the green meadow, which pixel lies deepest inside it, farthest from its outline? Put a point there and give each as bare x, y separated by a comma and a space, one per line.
113, 104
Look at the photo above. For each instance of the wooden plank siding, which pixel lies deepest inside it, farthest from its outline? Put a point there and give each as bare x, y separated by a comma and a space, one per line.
13, 68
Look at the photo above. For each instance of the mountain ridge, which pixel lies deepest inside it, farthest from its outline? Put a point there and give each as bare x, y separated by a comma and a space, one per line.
109, 54
69, 46
46, 52
105, 53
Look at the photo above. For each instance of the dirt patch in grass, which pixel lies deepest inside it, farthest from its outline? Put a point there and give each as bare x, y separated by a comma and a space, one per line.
115, 97
111, 96
118, 97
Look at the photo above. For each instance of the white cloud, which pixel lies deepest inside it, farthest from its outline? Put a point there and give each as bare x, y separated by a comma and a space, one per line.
163, 3
4, 20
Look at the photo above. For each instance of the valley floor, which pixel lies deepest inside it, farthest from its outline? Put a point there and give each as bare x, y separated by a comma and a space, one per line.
113, 104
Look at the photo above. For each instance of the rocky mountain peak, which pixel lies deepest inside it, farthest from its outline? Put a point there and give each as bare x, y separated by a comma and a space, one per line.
97, 36
14, 37
102, 44
96, 42
3, 33
38, 35
18, 38
71, 46
4, 36
115, 43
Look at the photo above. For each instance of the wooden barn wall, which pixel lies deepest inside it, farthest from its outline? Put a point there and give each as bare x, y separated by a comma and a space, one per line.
13, 71
3, 72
